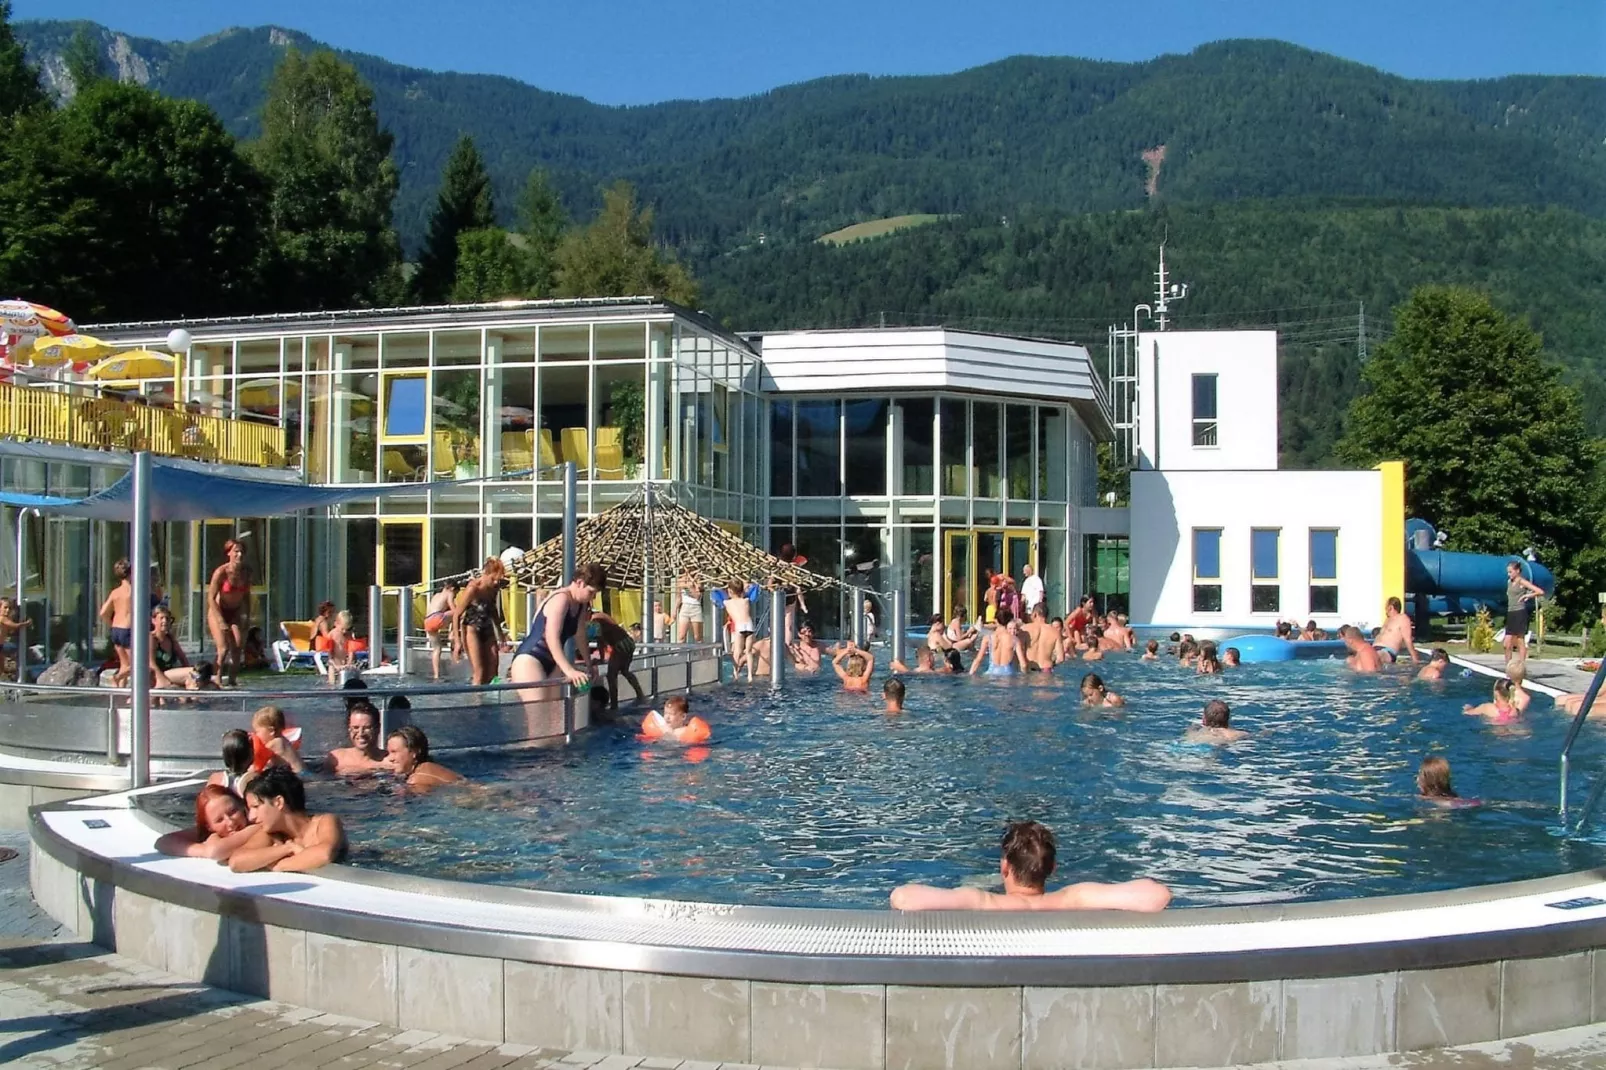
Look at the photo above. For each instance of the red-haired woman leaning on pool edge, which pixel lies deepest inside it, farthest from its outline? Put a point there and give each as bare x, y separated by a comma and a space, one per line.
221, 827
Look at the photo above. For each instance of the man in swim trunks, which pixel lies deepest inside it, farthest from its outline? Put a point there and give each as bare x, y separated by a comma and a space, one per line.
118, 613
853, 667
1002, 649
892, 694
438, 621
1042, 642
1027, 863
805, 653
563, 615
1395, 635
1437, 663
1215, 725
362, 728
1362, 654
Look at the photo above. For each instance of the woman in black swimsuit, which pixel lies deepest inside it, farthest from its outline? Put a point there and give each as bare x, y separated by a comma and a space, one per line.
562, 616
476, 624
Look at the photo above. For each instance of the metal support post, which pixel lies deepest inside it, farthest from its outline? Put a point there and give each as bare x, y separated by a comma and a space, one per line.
856, 609
570, 496
900, 620
139, 737
376, 625
531, 605
649, 619
719, 628
777, 639
22, 613
404, 626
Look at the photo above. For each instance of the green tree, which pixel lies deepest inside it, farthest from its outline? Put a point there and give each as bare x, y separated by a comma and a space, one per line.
542, 223
1495, 449
129, 205
19, 83
83, 60
333, 185
614, 255
464, 203
489, 267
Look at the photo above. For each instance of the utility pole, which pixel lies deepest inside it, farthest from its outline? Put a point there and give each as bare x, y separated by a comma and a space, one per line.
1360, 345
1165, 292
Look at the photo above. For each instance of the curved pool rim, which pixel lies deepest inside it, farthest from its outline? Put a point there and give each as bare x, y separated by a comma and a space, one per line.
855, 989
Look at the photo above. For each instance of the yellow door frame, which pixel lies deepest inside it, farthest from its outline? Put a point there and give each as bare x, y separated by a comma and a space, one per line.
973, 562
421, 591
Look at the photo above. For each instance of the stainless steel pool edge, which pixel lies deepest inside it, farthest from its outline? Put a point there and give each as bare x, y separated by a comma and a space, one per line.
944, 971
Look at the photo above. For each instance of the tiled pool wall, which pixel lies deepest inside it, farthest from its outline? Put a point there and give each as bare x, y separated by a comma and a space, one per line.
218, 939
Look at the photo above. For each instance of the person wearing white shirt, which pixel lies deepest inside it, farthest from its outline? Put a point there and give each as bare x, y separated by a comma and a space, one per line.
1032, 592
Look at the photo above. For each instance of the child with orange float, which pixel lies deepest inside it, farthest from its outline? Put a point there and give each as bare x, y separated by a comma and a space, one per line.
675, 723
272, 743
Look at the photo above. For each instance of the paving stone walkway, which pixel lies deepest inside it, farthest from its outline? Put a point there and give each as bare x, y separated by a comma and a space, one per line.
68, 1005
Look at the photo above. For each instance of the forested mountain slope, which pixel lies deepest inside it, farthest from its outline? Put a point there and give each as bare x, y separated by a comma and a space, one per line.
1230, 120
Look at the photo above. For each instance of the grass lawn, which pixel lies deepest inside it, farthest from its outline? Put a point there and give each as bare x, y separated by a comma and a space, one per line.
875, 228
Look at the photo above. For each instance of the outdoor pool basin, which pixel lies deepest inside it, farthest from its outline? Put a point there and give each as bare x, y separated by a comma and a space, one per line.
729, 903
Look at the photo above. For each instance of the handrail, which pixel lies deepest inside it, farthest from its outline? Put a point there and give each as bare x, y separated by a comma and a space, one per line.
1572, 737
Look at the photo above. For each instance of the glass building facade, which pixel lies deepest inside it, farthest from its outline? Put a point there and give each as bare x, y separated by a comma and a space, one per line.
479, 405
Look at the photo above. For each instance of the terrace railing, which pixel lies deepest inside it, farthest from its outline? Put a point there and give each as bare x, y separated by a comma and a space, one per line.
106, 423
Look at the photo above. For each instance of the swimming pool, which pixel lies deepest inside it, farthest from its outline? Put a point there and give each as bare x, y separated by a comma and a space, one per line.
816, 798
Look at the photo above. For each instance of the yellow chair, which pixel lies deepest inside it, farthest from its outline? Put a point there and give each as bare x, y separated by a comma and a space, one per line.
549, 453
610, 453
577, 448
397, 470
298, 633
445, 455
517, 453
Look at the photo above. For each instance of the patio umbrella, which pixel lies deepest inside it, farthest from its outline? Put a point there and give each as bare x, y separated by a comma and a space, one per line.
682, 543
135, 364
28, 320
51, 350
266, 393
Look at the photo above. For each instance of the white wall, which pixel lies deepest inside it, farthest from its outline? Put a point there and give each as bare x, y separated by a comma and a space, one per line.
1167, 506
1245, 364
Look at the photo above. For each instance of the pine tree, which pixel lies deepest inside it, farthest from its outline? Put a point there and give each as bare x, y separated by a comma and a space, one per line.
489, 267
19, 83
542, 223
333, 185
83, 60
463, 204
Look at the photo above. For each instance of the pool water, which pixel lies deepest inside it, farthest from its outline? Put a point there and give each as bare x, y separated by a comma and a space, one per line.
817, 798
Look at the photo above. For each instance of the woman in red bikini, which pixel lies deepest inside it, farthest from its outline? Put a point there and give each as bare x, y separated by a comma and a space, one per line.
227, 603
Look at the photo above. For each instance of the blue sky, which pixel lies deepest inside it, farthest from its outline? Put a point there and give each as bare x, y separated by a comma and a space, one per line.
635, 51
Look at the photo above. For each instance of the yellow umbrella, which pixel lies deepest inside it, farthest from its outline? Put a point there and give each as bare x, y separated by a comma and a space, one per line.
264, 393
69, 347
135, 364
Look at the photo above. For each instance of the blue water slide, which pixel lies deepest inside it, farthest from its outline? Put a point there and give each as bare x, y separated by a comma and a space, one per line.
1459, 583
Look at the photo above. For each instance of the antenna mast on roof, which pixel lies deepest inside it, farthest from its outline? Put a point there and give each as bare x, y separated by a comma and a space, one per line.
1165, 292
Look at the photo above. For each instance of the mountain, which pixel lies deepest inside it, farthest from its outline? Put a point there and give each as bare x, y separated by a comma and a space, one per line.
1231, 120
1307, 269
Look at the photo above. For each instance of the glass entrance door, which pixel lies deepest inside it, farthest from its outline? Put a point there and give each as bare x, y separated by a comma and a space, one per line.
972, 557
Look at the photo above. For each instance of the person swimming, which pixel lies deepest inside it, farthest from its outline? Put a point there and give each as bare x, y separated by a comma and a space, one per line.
1433, 783
1215, 725
1151, 650
1002, 649
407, 755
1506, 705
1094, 693
1437, 663
892, 693
675, 723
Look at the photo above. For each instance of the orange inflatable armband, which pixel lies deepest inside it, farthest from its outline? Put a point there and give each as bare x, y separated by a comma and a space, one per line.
695, 730
261, 755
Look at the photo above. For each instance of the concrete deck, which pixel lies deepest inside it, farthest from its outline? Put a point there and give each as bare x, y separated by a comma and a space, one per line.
1554, 674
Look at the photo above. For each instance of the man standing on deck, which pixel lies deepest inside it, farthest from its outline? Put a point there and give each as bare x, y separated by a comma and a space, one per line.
1032, 591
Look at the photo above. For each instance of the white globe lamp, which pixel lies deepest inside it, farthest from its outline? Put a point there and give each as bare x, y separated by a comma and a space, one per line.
178, 340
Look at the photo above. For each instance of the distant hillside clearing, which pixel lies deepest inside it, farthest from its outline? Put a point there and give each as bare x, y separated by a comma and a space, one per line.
875, 228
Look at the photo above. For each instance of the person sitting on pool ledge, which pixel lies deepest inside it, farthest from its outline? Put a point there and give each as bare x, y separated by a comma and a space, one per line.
1437, 663
1362, 654
1396, 636
362, 728
407, 755
288, 839
1215, 726
1026, 865
853, 667
222, 825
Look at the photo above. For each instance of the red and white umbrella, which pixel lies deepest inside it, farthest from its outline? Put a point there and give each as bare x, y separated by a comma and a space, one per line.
24, 319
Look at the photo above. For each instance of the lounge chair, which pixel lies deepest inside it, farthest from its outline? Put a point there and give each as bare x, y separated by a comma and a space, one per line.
610, 455
293, 648
517, 452
577, 448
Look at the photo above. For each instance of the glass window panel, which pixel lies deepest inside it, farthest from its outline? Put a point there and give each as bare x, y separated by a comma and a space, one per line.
955, 432
455, 439
1204, 410
1051, 453
455, 544
406, 406
985, 417
1323, 555
565, 343
457, 347
621, 341
1207, 598
662, 398
404, 350
402, 463
352, 403
818, 449
1018, 433
513, 347
781, 449
865, 442
1265, 598
1207, 553
621, 420
1324, 599
258, 357
916, 418
1263, 554
361, 350
561, 434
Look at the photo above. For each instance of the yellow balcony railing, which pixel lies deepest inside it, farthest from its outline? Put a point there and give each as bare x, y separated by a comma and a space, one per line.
106, 423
